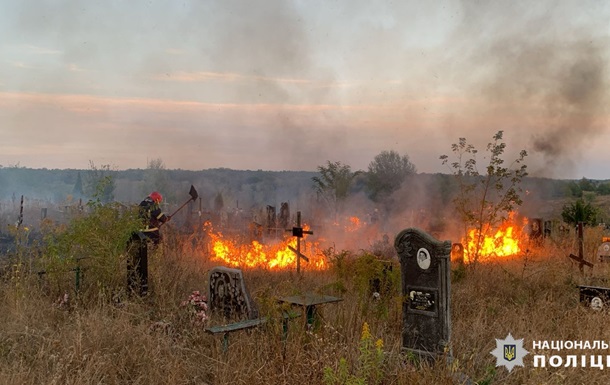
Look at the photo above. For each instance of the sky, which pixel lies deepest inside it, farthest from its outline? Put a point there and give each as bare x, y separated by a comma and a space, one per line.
290, 85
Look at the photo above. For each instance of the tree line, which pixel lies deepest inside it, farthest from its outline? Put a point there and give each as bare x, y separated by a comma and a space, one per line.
332, 184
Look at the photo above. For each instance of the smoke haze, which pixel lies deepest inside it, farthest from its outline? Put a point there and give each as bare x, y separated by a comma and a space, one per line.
291, 84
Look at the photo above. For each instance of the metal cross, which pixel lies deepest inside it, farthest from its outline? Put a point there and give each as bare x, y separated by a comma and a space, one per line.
298, 232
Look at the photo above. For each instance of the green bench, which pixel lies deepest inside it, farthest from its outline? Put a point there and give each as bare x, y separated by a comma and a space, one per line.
232, 327
230, 300
236, 326
225, 330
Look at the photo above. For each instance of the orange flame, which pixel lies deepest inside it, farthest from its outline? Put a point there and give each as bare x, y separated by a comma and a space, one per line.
273, 256
505, 242
354, 224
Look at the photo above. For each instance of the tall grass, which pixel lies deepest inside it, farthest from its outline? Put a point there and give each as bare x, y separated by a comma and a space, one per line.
103, 336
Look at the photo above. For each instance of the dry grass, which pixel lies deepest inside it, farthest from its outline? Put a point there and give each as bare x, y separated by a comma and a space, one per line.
153, 341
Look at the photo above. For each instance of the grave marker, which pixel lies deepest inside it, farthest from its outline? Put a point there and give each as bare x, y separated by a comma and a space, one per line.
284, 215
580, 258
228, 295
595, 297
425, 272
298, 232
536, 231
271, 220
603, 251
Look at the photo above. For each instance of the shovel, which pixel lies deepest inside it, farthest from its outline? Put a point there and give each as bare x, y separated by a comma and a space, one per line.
194, 196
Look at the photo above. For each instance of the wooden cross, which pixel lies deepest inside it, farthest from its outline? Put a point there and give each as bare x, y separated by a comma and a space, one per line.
581, 257
581, 261
298, 232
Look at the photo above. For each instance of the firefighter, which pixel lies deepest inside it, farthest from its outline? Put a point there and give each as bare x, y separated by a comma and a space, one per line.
137, 266
153, 217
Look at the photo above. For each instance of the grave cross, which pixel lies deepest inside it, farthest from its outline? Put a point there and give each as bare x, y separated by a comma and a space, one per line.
20, 220
298, 233
581, 261
581, 257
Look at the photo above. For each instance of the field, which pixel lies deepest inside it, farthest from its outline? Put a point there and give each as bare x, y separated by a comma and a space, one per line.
102, 336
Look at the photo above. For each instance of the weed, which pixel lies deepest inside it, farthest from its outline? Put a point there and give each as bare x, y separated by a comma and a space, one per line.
368, 369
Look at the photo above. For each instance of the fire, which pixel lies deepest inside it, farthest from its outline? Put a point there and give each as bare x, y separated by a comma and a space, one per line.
354, 223
505, 242
276, 256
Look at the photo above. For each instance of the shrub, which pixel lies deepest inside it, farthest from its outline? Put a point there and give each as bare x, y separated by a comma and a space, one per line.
93, 248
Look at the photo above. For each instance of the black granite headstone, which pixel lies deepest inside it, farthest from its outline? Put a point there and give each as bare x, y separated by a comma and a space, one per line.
595, 297
425, 271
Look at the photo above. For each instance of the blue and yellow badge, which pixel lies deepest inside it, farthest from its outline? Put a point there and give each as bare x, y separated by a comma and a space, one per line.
509, 352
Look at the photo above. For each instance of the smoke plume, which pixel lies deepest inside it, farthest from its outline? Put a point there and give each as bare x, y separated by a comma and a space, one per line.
544, 70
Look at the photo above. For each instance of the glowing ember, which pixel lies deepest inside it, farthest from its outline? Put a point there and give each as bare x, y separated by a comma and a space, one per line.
273, 256
505, 242
354, 224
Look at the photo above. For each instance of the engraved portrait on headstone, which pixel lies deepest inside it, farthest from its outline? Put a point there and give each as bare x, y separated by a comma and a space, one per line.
423, 258
425, 272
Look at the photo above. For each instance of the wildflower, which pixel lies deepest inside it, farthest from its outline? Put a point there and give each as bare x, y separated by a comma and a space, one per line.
379, 344
197, 305
366, 333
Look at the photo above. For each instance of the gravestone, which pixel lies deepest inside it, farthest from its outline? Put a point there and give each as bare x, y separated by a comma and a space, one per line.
271, 220
284, 215
595, 297
603, 252
536, 230
425, 271
228, 295
548, 228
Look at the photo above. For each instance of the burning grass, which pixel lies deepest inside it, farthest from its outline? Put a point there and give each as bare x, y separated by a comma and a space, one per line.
278, 254
508, 240
154, 341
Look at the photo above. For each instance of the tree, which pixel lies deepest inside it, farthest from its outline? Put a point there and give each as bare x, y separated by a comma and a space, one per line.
386, 173
78, 186
334, 182
580, 211
485, 199
573, 190
100, 183
586, 185
603, 188
156, 178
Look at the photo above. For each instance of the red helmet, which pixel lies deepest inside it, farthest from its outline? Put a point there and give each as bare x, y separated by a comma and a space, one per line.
156, 197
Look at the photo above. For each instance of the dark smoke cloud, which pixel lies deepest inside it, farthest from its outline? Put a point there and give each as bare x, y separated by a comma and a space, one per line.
566, 82
548, 72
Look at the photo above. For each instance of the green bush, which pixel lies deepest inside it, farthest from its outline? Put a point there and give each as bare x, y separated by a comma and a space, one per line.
90, 254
